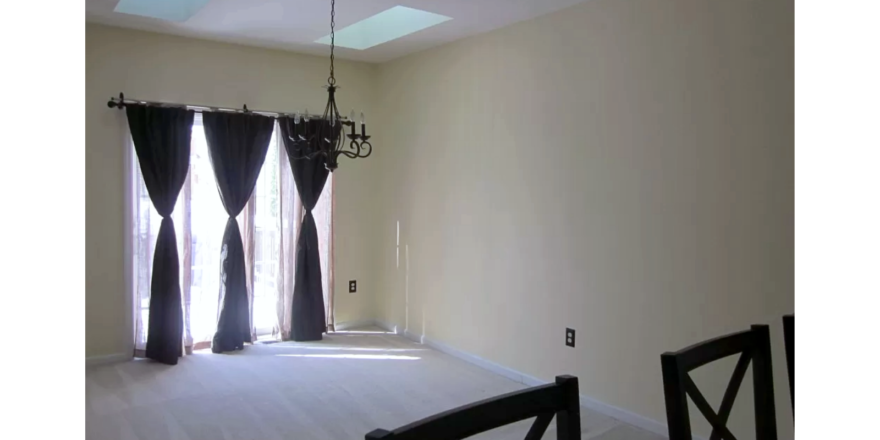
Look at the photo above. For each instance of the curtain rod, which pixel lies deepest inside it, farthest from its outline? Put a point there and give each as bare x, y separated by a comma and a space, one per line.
200, 108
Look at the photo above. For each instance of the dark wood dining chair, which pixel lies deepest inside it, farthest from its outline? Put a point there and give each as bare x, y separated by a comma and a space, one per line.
753, 346
542, 402
788, 329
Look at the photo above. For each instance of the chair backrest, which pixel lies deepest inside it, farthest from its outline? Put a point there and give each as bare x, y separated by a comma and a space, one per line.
788, 329
753, 346
543, 402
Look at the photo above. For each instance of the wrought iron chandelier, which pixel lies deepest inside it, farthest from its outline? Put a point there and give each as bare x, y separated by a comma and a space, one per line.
326, 142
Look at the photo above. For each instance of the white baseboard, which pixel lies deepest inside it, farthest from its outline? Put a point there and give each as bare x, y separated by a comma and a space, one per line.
386, 325
614, 412
95, 361
353, 324
509, 373
413, 337
629, 417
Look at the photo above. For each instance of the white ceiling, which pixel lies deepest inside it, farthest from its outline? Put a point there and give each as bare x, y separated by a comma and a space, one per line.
294, 25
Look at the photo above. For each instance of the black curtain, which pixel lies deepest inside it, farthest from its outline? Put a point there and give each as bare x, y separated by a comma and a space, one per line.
237, 145
162, 141
308, 320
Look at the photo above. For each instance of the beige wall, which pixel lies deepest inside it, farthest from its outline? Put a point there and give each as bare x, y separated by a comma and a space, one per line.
166, 68
622, 167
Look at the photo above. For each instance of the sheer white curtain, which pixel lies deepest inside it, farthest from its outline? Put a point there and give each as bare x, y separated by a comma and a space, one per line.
278, 216
270, 225
198, 240
207, 226
323, 214
146, 230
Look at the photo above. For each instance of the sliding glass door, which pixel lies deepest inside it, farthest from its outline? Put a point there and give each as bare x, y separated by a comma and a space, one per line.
267, 233
200, 220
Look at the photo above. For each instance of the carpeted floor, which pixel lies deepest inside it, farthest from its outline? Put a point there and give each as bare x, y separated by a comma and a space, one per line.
339, 388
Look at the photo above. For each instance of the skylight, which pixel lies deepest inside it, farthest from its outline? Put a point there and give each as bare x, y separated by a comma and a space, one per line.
383, 27
171, 10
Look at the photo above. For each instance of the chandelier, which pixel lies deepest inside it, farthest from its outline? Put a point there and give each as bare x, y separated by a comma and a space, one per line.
326, 141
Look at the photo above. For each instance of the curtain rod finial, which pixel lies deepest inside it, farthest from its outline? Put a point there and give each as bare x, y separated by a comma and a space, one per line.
118, 104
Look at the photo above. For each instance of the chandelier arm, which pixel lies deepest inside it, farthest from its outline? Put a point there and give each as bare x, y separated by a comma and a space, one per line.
311, 156
348, 154
355, 146
365, 146
325, 116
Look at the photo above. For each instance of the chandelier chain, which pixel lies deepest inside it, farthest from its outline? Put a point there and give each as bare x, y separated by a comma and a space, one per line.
332, 79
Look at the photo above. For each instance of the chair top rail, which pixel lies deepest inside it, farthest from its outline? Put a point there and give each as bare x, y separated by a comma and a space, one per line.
711, 350
484, 415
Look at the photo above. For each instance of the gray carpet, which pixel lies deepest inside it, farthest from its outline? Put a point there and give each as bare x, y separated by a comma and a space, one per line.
339, 388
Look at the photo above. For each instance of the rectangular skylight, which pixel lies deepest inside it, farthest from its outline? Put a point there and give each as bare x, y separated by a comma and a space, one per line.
383, 27
171, 10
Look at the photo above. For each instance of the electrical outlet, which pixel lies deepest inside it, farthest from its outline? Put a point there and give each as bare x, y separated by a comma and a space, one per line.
569, 337
352, 286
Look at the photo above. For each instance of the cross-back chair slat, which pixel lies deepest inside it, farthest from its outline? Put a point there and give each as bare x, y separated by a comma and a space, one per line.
754, 348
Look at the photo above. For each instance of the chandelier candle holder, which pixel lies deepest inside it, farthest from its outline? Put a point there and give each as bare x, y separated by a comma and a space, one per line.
326, 142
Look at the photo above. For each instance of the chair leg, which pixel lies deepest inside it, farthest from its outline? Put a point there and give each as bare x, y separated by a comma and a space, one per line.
568, 421
762, 374
677, 418
788, 329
